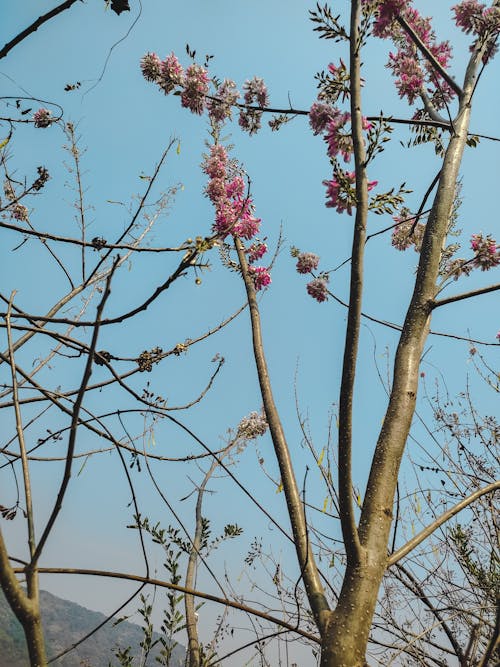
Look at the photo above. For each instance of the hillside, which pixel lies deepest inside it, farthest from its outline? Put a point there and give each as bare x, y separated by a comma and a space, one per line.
64, 623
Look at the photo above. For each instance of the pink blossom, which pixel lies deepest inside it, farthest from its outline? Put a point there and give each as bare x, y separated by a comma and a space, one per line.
43, 118
226, 96
19, 212
171, 74
307, 262
260, 276
247, 226
216, 190
235, 217
487, 252
318, 289
468, 15
365, 123
235, 188
256, 251
498, 336
151, 67
407, 233
250, 120
193, 96
474, 17
413, 77
334, 198
255, 93
337, 141
386, 12
340, 193
252, 426
319, 116
410, 76
458, 267
216, 163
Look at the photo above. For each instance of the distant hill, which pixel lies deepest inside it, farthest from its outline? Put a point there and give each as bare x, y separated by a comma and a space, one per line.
65, 623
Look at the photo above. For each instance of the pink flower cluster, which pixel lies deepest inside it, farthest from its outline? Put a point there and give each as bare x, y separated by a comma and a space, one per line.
318, 288
195, 94
43, 118
255, 94
226, 96
168, 74
256, 251
331, 122
307, 262
260, 276
458, 267
195, 90
484, 22
320, 115
252, 426
233, 209
386, 12
487, 252
406, 233
323, 118
19, 212
414, 75
340, 192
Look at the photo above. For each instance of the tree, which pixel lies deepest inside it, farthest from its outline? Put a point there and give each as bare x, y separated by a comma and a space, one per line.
347, 615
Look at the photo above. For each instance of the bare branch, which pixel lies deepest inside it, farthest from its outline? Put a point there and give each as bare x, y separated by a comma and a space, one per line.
34, 26
314, 588
446, 516
466, 295
181, 589
74, 424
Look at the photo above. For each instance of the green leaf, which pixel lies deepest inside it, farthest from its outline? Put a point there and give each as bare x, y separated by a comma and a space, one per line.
321, 456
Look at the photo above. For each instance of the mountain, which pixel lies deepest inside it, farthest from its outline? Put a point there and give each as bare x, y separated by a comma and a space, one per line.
65, 623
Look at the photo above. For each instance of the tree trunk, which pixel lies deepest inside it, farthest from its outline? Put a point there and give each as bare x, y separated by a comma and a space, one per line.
34, 640
346, 637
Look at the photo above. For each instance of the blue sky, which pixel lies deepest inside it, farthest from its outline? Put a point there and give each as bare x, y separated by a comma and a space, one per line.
125, 123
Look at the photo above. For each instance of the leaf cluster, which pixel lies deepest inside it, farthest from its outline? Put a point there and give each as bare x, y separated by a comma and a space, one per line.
327, 25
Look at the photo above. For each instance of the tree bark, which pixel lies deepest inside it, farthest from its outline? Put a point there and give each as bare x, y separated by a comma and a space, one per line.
345, 641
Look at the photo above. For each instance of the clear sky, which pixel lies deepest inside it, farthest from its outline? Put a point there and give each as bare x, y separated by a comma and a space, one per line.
125, 123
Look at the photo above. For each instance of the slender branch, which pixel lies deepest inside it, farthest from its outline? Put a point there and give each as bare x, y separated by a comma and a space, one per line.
493, 644
181, 589
446, 516
309, 571
187, 261
20, 437
75, 153
466, 295
34, 26
191, 624
346, 501
428, 55
418, 590
97, 627
138, 210
441, 123
90, 244
75, 419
